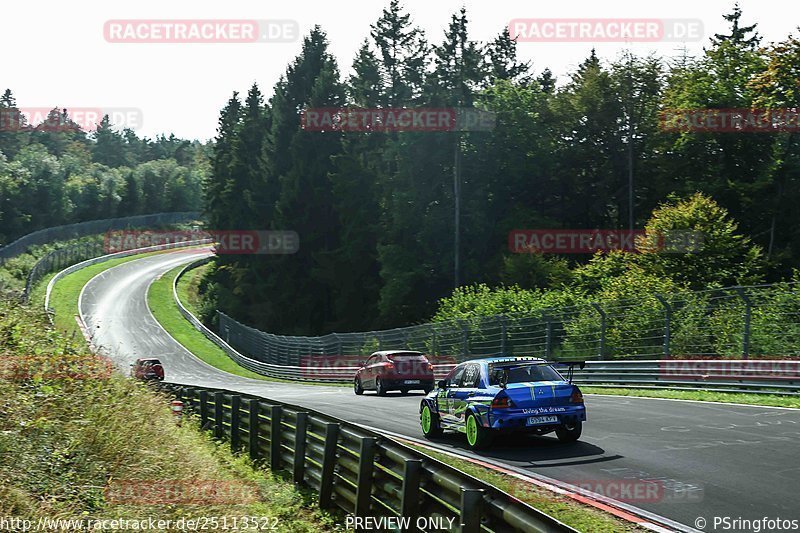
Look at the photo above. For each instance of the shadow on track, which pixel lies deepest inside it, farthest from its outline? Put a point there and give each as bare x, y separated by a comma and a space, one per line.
534, 451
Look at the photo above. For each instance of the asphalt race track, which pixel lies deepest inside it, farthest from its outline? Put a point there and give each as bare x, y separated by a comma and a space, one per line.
715, 460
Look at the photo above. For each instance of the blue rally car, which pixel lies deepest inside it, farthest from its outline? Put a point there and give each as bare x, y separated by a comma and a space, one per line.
485, 397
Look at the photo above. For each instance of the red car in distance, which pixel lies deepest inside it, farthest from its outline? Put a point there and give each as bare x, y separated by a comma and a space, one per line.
388, 370
147, 369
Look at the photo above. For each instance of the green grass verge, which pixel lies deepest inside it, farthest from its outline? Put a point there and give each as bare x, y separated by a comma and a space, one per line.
70, 429
772, 400
581, 517
189, 288
162, 304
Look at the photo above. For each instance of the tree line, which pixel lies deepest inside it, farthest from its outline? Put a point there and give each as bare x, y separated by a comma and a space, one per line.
56, 173
375, 211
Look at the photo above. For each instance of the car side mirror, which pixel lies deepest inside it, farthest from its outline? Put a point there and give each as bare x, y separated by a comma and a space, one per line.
442, 384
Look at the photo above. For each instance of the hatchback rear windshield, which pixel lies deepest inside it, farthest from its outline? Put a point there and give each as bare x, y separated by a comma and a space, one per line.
524, 373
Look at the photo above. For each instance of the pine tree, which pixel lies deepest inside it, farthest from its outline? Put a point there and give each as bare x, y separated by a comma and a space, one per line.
109, 146
503, 63
739, 35
403, 51
364, 86
13, 129
460, 68
306, 205
218, 206
243, 192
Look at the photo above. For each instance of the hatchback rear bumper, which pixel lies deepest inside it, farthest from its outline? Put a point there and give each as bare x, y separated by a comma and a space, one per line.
411, 383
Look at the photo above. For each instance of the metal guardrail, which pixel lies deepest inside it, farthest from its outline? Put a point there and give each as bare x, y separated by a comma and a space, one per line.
358, 471
58, 259
90, 227
722, 375
765, 376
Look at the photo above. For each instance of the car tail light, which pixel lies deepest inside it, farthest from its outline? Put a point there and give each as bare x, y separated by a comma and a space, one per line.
390, 367
502, 402
430, 367
577, 396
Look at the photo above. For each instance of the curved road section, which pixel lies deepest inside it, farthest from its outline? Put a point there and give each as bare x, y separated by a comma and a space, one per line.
690, 462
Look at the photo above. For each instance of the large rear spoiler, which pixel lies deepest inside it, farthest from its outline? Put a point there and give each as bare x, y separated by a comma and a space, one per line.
571, 364
571, 367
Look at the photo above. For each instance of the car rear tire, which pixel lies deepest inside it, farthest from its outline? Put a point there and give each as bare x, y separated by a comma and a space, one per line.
379, 387
357, 387
428, 390
431, 427
570, 432
403, 391
478, 437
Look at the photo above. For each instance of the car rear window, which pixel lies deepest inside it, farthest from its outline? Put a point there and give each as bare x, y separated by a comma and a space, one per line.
524, 373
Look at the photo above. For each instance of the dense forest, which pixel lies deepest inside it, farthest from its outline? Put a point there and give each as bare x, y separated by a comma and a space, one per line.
56, 173
375, 211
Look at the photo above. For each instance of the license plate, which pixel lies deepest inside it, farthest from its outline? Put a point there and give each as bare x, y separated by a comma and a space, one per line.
535, 420
411, 382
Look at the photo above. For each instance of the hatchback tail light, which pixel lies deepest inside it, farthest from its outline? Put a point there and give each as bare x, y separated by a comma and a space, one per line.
390, 367
577, 396
430, 367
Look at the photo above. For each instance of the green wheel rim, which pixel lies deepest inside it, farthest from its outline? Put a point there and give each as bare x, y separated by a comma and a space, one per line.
426, 419
472, 430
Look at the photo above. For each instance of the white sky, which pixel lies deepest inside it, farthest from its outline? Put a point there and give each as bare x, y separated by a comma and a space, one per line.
55, 54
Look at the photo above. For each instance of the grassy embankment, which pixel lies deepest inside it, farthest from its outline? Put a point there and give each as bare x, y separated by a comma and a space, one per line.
70, 429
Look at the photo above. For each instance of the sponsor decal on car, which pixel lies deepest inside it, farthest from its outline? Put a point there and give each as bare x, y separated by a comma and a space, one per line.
544, 410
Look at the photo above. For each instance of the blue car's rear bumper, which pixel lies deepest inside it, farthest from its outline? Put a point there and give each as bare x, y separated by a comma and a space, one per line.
519, 419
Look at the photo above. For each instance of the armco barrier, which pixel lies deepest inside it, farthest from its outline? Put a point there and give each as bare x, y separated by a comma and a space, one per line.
90, 227
58, 259
762, 376
358, 471
721, 375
